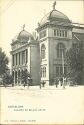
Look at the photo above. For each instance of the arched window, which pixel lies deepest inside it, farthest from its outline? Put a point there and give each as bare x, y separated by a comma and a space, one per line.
43, 51
60, 50
43, 72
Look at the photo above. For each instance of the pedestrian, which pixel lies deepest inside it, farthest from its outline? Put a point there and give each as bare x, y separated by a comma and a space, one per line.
56, 83
40, 86
60, 82
5, 85
64, 80
24, 84
28, 85
12, 84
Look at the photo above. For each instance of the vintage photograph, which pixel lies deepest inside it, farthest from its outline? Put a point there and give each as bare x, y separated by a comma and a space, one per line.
41, 62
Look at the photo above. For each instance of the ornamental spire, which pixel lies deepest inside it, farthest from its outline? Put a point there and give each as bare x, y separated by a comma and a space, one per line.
54, 4
23, 26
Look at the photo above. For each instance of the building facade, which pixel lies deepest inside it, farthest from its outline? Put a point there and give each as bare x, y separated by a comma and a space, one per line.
25, 57
44, 58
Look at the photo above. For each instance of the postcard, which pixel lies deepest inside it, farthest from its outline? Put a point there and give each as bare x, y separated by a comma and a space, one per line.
41, 62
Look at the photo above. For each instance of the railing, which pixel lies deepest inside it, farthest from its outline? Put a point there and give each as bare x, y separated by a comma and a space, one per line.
78, 24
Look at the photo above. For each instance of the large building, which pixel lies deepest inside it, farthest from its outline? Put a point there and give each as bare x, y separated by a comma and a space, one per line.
25, 56
44, 57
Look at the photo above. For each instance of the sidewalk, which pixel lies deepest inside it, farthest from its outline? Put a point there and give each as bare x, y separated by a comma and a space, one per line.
38, 87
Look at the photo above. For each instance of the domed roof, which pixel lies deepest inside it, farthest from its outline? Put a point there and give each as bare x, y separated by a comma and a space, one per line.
24, 35
54, 15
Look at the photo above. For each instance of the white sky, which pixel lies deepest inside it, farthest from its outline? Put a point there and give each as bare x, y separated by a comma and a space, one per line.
15, 13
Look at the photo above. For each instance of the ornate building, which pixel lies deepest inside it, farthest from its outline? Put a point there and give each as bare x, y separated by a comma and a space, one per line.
44, 57
25, 57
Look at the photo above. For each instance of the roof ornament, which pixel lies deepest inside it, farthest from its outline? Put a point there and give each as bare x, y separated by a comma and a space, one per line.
23, 26
38, 24
54, 4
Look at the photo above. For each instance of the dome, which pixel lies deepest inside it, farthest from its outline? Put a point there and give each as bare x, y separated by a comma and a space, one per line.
15, 38
24, 35
54, 15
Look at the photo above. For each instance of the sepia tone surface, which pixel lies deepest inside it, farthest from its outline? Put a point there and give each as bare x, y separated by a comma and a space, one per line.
50, 105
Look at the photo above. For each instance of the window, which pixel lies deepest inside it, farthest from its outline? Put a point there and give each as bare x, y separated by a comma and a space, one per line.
55, 33
13, 76
60, 50
42, 34
59, 70
19, 58
60, 33
65, 33
26, 55
16, 58
43, 72
13, 59
23, 57
43, 51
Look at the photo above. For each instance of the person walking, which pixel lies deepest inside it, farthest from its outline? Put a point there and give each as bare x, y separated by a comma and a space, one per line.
56, 83
24, 84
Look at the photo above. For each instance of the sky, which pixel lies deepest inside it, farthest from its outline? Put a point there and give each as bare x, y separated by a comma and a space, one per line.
15, 13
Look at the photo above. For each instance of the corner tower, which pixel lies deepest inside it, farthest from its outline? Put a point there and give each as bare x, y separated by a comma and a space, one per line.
55, 37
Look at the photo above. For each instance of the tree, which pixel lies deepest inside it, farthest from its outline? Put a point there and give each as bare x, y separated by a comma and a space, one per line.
3, 62
26, 77
7, 79
75, 62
